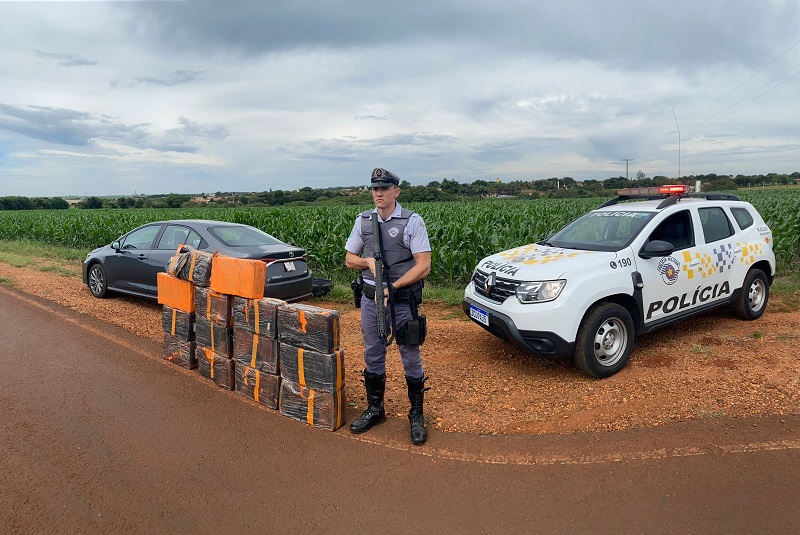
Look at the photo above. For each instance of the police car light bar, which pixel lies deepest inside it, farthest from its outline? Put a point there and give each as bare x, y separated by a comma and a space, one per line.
649, 192
672, 190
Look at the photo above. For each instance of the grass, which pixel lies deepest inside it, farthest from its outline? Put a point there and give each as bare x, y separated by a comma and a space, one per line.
701, 349
5, 281
60, 270
451, 297
40, 250
756, 335
16, 260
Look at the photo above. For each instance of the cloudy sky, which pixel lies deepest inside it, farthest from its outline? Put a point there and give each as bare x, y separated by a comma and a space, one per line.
113, 97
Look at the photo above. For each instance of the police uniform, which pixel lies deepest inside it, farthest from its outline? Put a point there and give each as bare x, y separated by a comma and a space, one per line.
403, 234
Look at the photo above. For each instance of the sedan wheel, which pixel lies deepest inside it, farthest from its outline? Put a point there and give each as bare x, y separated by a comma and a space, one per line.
97, 281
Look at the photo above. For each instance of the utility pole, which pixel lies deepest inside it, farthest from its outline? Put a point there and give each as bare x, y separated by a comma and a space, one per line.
626, 160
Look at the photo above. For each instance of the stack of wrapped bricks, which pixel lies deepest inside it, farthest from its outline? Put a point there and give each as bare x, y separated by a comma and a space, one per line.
255, 349
286, 356
311, 365
231, 278
176, 293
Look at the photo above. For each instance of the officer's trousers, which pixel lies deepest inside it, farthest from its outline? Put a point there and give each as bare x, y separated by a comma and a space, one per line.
374, 352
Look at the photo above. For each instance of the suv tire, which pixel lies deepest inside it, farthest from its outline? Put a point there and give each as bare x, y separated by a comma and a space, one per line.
754, 295
605, 340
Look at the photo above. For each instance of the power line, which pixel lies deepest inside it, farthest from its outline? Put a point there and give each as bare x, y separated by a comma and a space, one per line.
711, 119
740, 85
665, 136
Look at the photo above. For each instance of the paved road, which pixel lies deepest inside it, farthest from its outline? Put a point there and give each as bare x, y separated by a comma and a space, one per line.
99, 435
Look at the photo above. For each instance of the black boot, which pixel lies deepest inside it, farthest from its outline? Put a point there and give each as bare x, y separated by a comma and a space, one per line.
416, 394
375, 384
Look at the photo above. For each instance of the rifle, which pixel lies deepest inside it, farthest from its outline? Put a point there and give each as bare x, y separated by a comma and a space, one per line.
380, 306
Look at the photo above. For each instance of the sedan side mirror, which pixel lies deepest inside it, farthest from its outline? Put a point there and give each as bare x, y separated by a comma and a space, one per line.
656, 248
115, 245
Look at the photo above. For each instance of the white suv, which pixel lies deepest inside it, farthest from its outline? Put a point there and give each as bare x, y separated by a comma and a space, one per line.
624, 269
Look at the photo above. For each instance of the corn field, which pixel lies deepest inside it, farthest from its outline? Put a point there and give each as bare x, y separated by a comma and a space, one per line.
460, 233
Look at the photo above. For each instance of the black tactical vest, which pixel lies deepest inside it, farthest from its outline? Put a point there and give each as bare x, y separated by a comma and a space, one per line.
395, 254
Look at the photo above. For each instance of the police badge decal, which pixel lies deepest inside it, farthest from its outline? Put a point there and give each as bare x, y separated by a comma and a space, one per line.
669, 267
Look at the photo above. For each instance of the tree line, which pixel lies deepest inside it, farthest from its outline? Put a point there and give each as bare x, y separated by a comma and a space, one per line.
444, 190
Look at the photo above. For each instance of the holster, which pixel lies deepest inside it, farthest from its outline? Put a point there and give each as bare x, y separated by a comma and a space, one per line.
413, 332
358, 288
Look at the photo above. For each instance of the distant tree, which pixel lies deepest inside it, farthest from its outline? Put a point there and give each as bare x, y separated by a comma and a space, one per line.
173, 201
720, 184
94, 203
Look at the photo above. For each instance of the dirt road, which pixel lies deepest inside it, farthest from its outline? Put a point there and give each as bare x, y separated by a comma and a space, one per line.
100, 435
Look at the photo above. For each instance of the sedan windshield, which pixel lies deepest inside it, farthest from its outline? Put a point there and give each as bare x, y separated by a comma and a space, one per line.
601, 231
242, 236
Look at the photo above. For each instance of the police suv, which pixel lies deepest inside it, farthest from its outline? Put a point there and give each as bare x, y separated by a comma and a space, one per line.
644, 260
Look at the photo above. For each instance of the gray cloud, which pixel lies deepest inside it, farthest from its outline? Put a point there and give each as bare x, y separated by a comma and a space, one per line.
81, 129
626, 33
178, 77
64, 59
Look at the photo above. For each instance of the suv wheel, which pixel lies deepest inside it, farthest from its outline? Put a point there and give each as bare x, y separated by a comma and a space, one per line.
96, 280
605, 340
754, 295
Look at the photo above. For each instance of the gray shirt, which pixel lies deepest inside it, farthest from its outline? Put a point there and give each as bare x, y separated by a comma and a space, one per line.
415, 236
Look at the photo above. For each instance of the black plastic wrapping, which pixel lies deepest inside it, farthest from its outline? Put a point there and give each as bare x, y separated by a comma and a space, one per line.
320, 409
209, 334
255, 351
192, 265
215, 367
178, 323
309, 327
320, 371
263, 388
180, 352
213, 306
257, 316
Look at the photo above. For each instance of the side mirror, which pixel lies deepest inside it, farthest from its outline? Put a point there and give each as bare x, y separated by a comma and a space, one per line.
656, 248
115, 245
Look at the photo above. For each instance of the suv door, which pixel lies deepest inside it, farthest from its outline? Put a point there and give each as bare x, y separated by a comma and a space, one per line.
710, 264
667, 291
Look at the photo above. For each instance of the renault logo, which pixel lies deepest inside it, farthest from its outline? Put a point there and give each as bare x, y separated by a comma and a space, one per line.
491, 282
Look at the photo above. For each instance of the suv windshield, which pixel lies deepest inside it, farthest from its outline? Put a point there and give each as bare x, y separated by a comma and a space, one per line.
601, 231
242, 236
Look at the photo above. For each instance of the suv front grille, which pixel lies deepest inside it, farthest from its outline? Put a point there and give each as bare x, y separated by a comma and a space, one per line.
502, 289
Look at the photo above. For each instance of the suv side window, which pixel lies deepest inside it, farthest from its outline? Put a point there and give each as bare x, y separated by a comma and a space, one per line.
676, 229
742, 217
716, 225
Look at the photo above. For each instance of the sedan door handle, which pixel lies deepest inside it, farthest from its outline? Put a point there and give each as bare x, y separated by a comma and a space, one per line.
142, 257
737, 250
694, 262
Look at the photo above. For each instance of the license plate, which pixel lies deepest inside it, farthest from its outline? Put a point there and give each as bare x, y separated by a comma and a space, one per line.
289, 266
481, 316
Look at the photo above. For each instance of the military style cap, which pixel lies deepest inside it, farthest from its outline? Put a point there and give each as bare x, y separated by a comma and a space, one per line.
382, 177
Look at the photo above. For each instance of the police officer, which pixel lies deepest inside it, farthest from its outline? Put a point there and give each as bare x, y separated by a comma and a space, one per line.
407, 255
